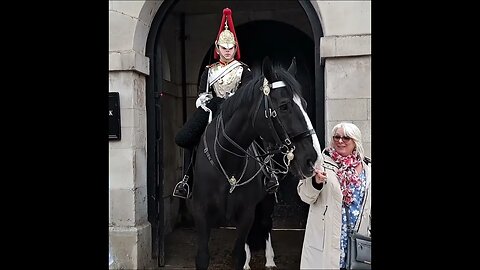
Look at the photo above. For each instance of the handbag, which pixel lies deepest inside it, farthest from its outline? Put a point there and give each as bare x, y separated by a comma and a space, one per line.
359, 248
359, 251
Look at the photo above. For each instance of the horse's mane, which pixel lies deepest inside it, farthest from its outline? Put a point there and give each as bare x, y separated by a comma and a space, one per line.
249, 92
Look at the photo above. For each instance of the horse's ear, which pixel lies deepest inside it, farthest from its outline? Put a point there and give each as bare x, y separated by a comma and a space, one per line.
267, 69
293, 67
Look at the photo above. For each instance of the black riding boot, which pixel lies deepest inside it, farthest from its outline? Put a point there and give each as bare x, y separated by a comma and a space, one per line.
271, 186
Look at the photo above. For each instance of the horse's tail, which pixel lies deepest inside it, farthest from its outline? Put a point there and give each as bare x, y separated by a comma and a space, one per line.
262, 225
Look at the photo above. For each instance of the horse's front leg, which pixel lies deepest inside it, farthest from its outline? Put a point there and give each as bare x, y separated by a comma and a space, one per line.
269, 254
248, 256
243, 227
202, 259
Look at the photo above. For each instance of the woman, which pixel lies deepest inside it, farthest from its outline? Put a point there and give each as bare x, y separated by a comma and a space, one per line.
341, 185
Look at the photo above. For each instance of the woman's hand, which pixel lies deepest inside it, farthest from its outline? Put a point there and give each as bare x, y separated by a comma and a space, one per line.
320, 176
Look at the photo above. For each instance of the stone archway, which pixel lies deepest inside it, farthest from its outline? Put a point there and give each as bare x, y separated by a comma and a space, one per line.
133, 72
178, 29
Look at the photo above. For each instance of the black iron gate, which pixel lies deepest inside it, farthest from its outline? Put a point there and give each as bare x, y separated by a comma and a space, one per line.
155, 141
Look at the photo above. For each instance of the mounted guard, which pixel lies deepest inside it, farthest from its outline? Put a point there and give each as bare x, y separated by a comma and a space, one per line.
218, 82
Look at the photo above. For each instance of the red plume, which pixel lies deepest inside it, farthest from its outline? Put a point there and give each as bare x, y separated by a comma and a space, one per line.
227, 14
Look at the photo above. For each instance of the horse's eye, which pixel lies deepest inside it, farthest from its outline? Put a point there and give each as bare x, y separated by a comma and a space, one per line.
283, 107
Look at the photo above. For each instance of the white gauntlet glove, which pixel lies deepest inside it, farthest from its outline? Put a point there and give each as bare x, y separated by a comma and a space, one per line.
202, 101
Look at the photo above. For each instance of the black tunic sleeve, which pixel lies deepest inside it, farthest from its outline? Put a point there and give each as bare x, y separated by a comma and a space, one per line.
202, 87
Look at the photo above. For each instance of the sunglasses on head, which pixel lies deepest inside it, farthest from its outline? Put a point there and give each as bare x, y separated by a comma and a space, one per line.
344, 138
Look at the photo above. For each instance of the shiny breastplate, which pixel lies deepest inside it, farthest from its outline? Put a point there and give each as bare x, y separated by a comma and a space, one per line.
227, 84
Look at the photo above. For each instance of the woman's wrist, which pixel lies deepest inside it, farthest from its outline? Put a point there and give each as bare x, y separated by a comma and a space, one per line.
316, 185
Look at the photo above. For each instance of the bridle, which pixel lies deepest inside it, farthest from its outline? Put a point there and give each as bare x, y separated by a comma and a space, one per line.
283, 142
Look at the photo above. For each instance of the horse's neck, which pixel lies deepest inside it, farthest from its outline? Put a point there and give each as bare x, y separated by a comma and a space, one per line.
239, 130
232, 139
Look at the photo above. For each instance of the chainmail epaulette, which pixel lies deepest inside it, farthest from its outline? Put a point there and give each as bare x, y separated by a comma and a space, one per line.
212, 65
243, 63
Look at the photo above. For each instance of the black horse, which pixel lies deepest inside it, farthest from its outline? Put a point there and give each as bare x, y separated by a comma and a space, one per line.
229, 170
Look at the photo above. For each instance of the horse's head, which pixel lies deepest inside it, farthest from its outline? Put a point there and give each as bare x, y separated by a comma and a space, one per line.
281, 120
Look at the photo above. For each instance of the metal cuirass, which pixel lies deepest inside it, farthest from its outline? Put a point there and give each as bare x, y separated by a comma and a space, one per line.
227, 82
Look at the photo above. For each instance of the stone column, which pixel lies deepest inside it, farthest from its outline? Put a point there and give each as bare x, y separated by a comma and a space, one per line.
348, 83
130, 231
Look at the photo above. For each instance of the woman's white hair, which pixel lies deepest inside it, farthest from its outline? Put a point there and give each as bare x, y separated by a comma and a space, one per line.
352, 131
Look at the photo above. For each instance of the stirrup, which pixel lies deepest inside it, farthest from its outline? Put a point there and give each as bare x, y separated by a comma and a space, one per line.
182, 185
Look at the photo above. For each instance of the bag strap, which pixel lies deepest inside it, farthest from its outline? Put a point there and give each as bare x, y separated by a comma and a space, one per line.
357, 223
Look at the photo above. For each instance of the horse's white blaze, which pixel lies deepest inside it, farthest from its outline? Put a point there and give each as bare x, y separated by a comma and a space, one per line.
269, 254
247, 258
316, 143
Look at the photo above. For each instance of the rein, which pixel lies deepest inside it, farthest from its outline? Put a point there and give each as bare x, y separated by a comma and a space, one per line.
232, 180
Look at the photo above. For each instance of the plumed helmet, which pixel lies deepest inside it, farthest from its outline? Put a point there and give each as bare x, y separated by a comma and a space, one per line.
226, 34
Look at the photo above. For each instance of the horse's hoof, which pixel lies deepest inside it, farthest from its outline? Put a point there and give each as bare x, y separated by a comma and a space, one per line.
271, 267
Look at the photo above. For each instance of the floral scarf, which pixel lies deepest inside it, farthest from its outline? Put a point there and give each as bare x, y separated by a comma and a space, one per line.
346, 173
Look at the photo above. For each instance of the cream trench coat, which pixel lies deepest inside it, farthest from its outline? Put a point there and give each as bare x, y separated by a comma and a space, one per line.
321, 244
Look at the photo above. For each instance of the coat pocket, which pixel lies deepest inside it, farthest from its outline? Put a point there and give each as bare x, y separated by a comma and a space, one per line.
318, 234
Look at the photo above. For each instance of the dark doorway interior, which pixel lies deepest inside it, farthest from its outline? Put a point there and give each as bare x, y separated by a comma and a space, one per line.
258, 39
